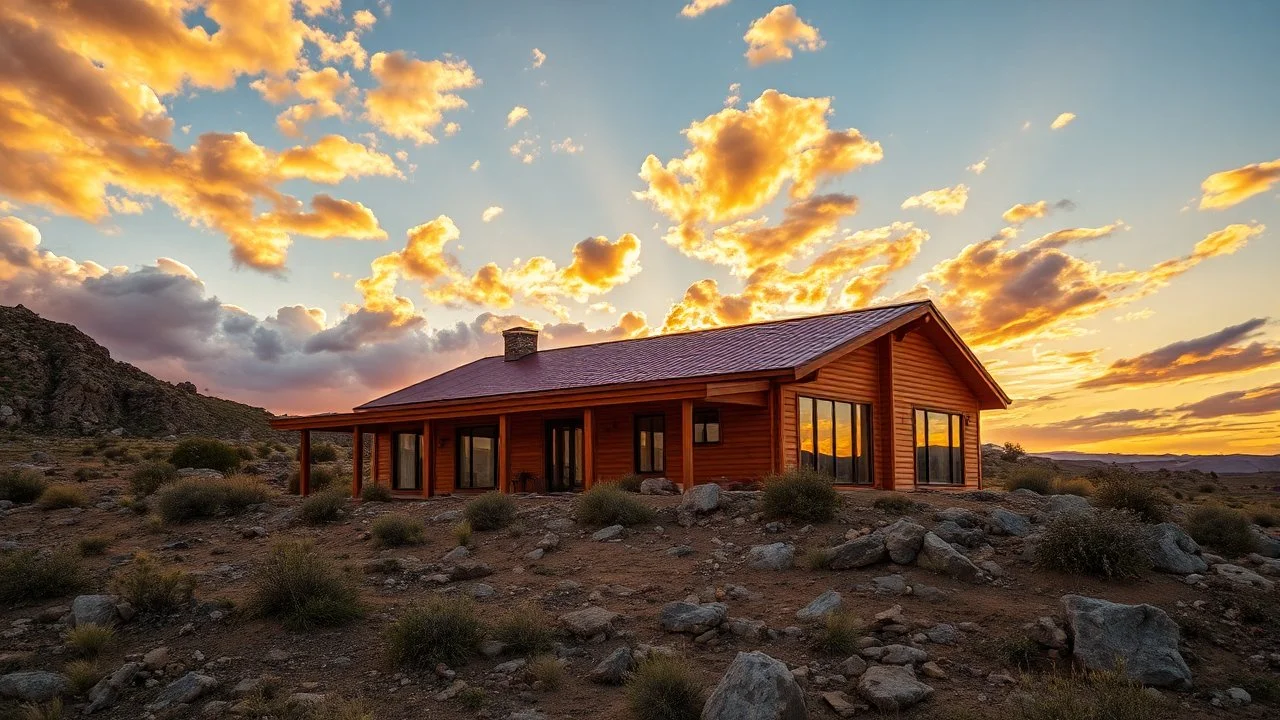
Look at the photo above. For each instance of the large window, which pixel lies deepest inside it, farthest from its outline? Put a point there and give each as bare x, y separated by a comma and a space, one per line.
650, 444
478, 457
939, 448
706, 426
835, 439
406, 467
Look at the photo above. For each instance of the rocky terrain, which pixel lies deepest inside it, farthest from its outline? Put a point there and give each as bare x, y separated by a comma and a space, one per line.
54, 378
948, 616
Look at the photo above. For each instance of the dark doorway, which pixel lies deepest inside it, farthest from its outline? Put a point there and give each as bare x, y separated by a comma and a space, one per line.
564, 455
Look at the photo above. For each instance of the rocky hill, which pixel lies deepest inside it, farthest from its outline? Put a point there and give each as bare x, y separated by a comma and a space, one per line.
56, 379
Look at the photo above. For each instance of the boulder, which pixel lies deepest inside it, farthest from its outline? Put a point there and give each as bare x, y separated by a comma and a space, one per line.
1266, 565
937, 555
902, 655
1241, 576
1142, 638
34, 686
589, 622
823, 605
1268, 544
892, 688
612, 532
692, 618
1172, 550
457, 554
94, 609
184, 690
856, 553
1066, 503
960, 516
1003, 522
776, 556
703, 498
469, 571
657, 486
953, 532
615, 668
903, 540
756, 687
103, 694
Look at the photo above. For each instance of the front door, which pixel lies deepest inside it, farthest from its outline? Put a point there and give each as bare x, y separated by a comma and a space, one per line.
564, 455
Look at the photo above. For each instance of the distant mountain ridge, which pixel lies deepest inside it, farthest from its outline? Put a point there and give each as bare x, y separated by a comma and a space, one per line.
1227, 463
54, 378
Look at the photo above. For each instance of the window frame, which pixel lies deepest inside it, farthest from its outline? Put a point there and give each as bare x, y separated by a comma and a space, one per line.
955, 449
657, 461
705, 412
862, 416
395, 461
470, 433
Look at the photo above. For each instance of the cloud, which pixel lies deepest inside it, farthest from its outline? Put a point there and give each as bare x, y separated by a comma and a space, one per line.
697, 7
314, 8
770, 38
734, 97
1215, 354
567, 146
517, 114
1062, 121
325, 92
412, 95
364, 19
475, 166
526, 148
1257, 401
335, 49
944, 201
1232, 187
490, 213
1022, 212
978, 167
539, 57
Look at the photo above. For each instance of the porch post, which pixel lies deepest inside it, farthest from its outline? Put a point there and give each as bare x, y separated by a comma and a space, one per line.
428, 453
686, 443
376, 464
887, 424
304, 462
504, 462
588, 448
357, 461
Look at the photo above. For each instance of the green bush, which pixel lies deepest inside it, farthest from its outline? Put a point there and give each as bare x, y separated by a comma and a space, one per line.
629, 482
321, 478
547, 670
1266, 518
490, 511
325, 506
444, 630
375, 493
1091, 696
525, 631
29, 575
1142, 498
838, 634
57, 497
397, 530
89, 639
85, 474
150, 588
324, 452
93, 545
1222, 529
664, 688
208, 453
607, 504
21, 486
1107, 543
303, 589
191, 498
149, 477
799, 494
1037, 478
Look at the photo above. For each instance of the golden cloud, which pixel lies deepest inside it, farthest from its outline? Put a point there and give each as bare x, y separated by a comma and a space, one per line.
1023, 212
413, 95
490, 213
324, 92
1232, 187
517, 114
1215, 354
770, 38
697, 7
978, 167
539, 57
944, 201
364, 19
1062, 121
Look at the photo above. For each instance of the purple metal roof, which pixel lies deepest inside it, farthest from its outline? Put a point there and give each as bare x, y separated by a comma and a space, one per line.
778, 345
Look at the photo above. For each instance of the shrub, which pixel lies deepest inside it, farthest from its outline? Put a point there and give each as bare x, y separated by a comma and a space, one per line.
838, 635
608, 504
1106, 543
1222, 529
325, 506
490, 511
321, 478
462, 533
21, 486
375, 493
1015, 650
191, 498
148, 477
93, 545
816, 558
1261, 688
397, 530
473, 698
664, 688
894, 505
270, 700
85, 474
1092, 696
1139, 497
1073, 486
56, 497
262, 449
89, 640
526, 631
51, 710
629, 482
1206, 488
29, 575
151, 588
1038, 478
205, 453
547, 670
324, 452
303, 589
444, 630
1012, 452
82, 675
1266, 518
803, 495
120, 454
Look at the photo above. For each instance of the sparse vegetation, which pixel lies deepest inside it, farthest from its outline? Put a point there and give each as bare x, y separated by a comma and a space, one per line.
473, 698
525, 631
838, 634
607, 504
444, 630
1091, 696
1015, 650
548, 670
152, 588
89, 640
664, 688
149, 477
1222, 529
1037, 478
82, 675
629, 482
801, 495
1012, 452
375, 493
490, 511
816, 558
192, 498
200, 452
1072, 486
321, 478
20, 485
462, 533
51, 710
1135, 495
1261, 688
93, 545
272, 700
57, 497
894, 505
398, 530
303, 589
322, 507
31, 575
324, 452
1266, 518
1107, 544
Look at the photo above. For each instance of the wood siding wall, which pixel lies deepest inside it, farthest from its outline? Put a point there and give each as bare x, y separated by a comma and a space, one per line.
853, 378
923, 378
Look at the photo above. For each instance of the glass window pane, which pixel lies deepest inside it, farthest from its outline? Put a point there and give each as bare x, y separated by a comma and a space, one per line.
482, 461
406, 461
863, 448
826, 438
922, 451
805, 423
957, 451
646, 455
577, 456
844, 442
464, 461
659, 449
713, 432
939, 429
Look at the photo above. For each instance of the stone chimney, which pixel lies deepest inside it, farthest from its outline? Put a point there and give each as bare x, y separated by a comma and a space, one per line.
518, 342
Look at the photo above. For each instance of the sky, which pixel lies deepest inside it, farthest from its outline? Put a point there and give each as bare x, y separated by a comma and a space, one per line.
305, 205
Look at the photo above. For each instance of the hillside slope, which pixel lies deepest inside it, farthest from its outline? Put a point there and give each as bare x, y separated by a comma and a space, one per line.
54, 378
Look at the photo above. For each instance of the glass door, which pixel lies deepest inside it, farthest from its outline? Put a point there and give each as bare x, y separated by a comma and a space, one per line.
564, 455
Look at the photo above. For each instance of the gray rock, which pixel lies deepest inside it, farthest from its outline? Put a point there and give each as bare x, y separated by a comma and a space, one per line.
776, 556
481, 591
856, 553
960, 516
94, 609
457, 554
1241, 576
657, 486
156, 658
889, 585
1141, 637
612, 532
527, 715
34, 686
939, 556
447, 516
1067, 503
823, 605
1237, 697
469, 571
615, 668
703, 498
510, 666
1266, 565
853, 666
550, 541
1044, 631
748, 628
185, 689
756, 687
903, 540
892, 688
1172, 550
942, 634
692, 618
679, 551
902, 655
589, 622
1267, 544
1003, 522
953, 532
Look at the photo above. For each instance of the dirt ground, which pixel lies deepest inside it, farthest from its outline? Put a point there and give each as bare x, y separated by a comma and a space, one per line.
633, 577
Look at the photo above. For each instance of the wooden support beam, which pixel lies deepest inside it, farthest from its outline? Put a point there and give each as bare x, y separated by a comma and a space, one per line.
774, 448
735, 388
504, 457
686, 444
755, 399
376, 463
887, 413
428, 448
588, 448
304, 463
357, 461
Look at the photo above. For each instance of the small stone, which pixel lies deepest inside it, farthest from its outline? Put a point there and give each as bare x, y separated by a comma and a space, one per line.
33, 686
892, 688
690, 617
931, 669
680, 551
776, 556
457, 554
612, 532
157, 658
821, 606
614, 668
184, 690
